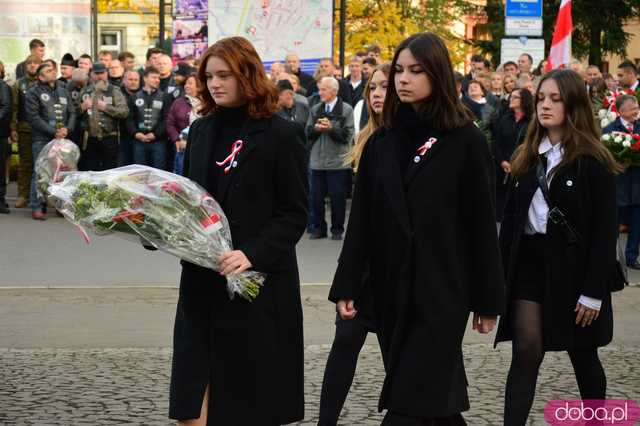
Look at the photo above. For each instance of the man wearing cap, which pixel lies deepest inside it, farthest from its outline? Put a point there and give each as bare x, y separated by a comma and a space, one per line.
67, 65
146, 123
290, 108
51, 115
102, 106
20, 128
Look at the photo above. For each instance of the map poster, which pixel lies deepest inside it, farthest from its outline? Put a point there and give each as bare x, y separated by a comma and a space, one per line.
276, 27
190, 31
63, 26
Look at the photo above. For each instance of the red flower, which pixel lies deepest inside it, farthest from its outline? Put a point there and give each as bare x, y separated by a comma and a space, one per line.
635, 147
137, 201
135, 217
173, 187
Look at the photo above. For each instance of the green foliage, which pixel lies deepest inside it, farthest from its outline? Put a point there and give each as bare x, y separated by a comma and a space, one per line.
598, 27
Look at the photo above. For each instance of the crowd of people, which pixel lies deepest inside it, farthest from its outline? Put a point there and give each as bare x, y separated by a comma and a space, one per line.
421, 252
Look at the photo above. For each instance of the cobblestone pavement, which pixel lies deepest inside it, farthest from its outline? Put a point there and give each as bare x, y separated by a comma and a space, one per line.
129, 386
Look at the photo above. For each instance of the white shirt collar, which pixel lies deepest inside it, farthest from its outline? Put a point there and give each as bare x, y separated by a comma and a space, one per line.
331, 104
546, 147
355, 84
625, 123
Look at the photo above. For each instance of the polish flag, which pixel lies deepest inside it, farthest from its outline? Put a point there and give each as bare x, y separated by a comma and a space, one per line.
560, 53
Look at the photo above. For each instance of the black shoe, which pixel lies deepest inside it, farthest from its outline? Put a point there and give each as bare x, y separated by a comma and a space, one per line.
634, 265
317, 236
4, 208
336, 237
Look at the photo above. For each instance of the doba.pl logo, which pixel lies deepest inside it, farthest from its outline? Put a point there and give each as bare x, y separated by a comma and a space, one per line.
617, 412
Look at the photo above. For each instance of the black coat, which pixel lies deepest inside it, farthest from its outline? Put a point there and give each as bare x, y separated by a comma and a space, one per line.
628, 182
430, 231
250, 352
508, 134
585, 193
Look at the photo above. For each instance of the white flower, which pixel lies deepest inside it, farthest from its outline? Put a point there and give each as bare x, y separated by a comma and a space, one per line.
602, 113
606, 137
626, 144
617, 139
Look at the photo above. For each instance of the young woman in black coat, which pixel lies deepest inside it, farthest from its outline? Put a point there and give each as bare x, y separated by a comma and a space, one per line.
235, 362
508, 134
559, 273
351, 333
423, 223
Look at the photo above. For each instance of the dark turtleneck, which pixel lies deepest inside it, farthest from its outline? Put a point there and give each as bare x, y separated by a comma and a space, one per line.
416, 129
228, 129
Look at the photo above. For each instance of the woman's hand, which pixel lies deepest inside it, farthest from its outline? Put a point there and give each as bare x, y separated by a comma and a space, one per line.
233, 262
506, 167
346, 310
585, 315
484, 323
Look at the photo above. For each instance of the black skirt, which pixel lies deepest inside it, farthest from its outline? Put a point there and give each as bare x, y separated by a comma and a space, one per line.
529, 278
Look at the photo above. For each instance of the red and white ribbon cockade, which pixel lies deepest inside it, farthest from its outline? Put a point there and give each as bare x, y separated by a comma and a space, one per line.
230, 161
423, 149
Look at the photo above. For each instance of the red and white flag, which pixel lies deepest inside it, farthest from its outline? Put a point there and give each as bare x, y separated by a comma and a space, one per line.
560, 53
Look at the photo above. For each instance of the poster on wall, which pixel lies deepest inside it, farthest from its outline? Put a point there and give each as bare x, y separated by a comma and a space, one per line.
190, 31
277, 27
63, 25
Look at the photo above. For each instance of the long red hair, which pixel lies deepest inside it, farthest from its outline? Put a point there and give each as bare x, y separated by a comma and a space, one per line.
245, 64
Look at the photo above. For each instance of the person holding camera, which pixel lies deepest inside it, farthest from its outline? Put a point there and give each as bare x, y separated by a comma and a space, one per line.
330, 132
558, 243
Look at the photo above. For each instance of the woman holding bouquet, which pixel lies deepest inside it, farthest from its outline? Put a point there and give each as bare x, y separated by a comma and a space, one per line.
423, 223
558, 240
235, 362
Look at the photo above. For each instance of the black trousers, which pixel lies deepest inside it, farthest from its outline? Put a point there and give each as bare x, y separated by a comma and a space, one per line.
341, 366
101, 154
4, 155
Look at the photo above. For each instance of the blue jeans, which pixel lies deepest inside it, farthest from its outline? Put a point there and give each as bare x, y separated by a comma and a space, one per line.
152, 154
178, 163
334, 184
125, 154
35, 202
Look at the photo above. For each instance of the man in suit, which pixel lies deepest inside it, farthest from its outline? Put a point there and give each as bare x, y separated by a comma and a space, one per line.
354, 83
628, 76
628, 185
330, 131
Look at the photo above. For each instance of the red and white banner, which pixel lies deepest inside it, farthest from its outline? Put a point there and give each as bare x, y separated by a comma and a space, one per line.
560, 53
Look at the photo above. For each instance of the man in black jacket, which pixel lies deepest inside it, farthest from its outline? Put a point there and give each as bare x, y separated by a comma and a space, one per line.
292, 65
51, 114
103, 105
36, 47
5, 120
146, 124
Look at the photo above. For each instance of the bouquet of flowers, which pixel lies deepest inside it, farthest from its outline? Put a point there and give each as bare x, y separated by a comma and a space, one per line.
59, 155
171, 212
624, 147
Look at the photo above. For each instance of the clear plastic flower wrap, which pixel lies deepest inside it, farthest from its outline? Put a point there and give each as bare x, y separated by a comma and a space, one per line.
59, 155
169, 211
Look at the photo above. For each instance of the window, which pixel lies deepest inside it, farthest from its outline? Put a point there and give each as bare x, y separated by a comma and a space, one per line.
111, 40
